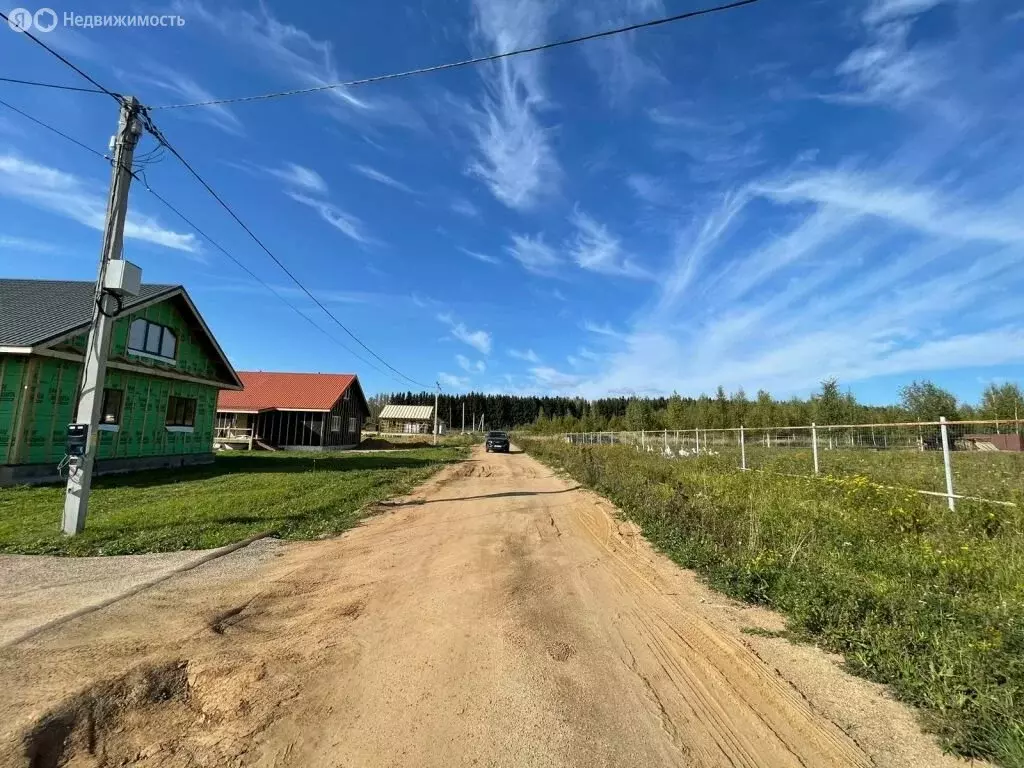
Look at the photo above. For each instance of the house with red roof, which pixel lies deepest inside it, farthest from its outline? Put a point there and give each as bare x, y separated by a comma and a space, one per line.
295, 411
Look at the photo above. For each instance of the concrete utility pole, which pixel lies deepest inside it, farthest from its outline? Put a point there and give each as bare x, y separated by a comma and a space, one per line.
463, 417
435, 411
90, 399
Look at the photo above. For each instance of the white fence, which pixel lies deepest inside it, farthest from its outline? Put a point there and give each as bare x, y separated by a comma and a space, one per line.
971, 460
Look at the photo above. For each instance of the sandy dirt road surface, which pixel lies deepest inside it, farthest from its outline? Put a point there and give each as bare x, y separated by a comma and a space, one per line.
499, 616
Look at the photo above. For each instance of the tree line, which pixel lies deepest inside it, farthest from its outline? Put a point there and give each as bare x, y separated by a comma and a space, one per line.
918, 401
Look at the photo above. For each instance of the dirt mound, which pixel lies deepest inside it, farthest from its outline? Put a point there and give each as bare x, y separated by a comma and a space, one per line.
380, 444
93, 722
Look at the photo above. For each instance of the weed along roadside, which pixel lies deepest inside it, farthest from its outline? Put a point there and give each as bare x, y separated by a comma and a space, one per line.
928, 601
296, 495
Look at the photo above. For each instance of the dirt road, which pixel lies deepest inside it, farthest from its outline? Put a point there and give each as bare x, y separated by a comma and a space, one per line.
497, 617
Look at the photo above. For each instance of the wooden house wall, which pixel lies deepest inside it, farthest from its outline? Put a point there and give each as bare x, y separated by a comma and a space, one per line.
38, 400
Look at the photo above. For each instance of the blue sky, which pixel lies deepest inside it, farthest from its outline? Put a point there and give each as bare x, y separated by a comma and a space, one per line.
760, 198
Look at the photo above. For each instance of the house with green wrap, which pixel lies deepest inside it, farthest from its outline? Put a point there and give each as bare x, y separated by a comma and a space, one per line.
164, 373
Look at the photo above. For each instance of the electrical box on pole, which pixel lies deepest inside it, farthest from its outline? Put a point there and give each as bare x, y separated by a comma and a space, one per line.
115, 280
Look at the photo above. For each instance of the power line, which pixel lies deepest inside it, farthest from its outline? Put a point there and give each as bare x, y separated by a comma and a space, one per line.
158, 135
466, 62
140, 176
145, 183
58, 86
37, 41
60, 133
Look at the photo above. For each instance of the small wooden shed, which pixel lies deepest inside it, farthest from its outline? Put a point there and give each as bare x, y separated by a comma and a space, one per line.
406, 420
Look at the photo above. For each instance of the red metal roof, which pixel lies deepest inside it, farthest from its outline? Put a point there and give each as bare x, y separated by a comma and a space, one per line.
296, 391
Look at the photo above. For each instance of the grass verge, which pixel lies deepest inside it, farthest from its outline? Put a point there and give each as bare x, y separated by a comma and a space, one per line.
926, 600
297, 495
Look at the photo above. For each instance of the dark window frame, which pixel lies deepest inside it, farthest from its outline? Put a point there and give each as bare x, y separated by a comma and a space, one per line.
158, 334
108, 394
181, 411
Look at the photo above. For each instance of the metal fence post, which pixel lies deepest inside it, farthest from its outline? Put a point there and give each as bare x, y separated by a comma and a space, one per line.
643, 440
946, 462
743, 450
814, 445
666, 440
696, 438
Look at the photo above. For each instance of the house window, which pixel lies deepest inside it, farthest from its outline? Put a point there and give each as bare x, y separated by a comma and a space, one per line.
335, 423
353, 425
152, 339
181, 411
110, 413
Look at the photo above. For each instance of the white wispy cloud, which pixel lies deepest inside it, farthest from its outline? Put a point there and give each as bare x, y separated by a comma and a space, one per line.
528, 355
346, 223
553, 379
464, 207
297, 57
26, 244
880, 11
616, 61
693, 244
595, 248
382, 178
888, 68
865, 282
601, 329
515, 157
452, 381
650, 189
925, 209
486, 258
480, 340
185, 89
720, 147
470, 366
299, 176
70, 196
534, 254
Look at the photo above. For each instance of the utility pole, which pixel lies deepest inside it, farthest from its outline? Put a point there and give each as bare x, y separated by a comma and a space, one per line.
90, 399
463, 417
435, 411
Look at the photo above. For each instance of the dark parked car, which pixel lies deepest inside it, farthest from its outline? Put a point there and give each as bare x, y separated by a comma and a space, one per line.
497, 441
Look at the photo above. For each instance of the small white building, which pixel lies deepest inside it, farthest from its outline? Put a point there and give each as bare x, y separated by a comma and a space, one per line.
406, 420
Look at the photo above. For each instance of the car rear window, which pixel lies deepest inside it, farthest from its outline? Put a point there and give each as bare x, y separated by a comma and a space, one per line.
496, 434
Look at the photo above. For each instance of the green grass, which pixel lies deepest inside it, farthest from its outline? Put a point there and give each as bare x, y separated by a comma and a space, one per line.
927, 600
988, 475
296, 495
996, 475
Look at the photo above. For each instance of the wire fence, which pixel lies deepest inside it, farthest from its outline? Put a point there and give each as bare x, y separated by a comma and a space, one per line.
972, 460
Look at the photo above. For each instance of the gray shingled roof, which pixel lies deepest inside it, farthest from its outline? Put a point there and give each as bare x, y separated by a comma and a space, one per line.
34, 311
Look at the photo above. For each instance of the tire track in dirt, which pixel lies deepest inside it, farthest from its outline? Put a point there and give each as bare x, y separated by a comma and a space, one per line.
497, 616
